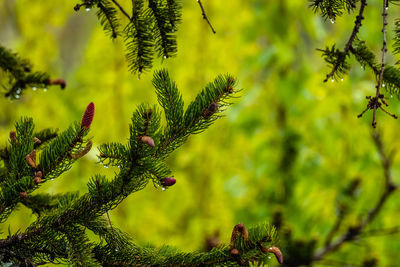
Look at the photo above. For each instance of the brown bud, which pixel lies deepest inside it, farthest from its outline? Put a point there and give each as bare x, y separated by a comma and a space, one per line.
37, 140
234, 251
87, 117
37, 180
277, 252
210, 110
33, 155
13, 136
23, 194
83, 152
58, 81
39, 174
30, 161
239, 228
147, 140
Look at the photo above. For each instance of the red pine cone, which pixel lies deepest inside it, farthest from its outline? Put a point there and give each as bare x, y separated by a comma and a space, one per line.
168, 181
87, 117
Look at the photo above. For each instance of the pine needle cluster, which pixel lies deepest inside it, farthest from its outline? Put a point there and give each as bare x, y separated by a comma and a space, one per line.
149, 29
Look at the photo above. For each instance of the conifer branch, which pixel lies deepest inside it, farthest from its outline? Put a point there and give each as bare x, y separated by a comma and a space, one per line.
203, 13
355, 231
357, 25
19, 75
378, 100
384, 50
58, 235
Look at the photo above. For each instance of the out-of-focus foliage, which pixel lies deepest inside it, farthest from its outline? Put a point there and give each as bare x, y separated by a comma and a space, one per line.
289, 145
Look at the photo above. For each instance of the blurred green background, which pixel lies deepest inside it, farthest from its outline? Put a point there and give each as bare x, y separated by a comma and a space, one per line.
289, 145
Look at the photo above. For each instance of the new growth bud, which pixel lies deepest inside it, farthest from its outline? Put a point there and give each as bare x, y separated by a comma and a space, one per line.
87, 117
277, 252
169, 181
37, 180
23, 194
58, 81
210, 110
31, 159
147, 140
13, 136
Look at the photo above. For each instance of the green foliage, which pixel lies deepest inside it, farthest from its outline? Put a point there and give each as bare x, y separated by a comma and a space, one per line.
59, 233
332, 8
19, 75
150, 28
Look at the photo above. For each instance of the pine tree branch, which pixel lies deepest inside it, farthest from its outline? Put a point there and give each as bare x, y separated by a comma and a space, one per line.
20, 75
355, 231
356, 28
203, 13
122, 9
384, 50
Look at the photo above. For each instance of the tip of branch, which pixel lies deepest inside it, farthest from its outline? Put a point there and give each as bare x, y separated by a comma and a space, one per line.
58, 81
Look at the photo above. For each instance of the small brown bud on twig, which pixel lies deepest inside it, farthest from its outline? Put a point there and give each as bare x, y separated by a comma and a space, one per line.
210, 110
277, 252
30, 161
147, 140
13, 136
37, 140
37, 180
169, 181
239, 228
39, 174
23, 194
58, 81
33, 155
87, 117
234, 251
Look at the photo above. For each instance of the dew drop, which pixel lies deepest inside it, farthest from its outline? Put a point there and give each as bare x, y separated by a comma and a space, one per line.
362, 67
386, 8
87, 9
332, 80
116, 250
269, 257
332, 21
383, 85
18, 90
34, 88
16, 96
165, 56
163, 189
341, 80
391, 96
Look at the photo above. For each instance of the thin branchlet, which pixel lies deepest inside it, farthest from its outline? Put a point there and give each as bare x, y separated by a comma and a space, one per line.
203, 13
356, 28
